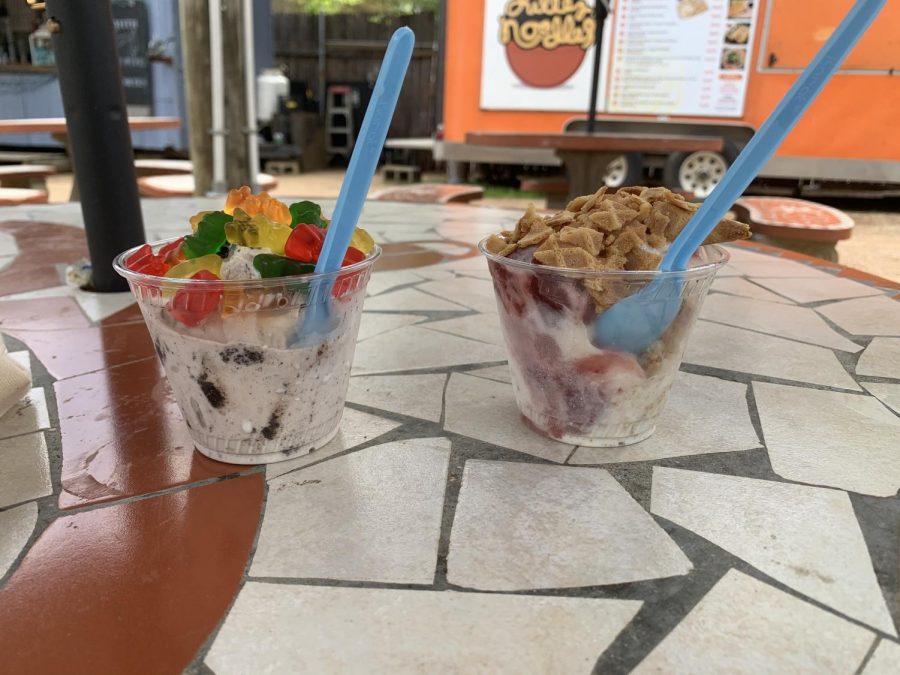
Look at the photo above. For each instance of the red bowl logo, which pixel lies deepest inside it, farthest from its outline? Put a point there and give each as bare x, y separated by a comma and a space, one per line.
546, 40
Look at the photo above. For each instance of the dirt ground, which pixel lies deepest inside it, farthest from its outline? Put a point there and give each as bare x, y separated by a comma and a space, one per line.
874, 246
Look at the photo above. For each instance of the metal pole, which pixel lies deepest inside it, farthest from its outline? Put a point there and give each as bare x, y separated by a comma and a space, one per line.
217, 87
599, 15
90, 81
322, 65
250, 93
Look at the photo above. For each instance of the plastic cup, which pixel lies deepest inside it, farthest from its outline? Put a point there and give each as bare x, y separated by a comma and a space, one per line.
565, 387
249, 391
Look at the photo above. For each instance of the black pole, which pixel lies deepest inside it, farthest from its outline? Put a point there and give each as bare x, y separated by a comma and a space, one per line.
90, 80
599, 16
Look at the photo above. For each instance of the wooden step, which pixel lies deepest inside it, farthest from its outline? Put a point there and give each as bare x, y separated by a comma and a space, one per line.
183, 185
17, 196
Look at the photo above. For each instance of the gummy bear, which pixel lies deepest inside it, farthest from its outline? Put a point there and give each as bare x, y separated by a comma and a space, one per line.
305, 243
146, 262
209, 235
191, 305
262, 204
362, 240
186, 270
353, 256
172, 253
270, 266
257, 231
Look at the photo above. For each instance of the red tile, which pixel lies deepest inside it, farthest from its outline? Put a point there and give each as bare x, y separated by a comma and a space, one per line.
859, 275
42, 246
131, 588
123, 435
41, 314
131, 314
84, 350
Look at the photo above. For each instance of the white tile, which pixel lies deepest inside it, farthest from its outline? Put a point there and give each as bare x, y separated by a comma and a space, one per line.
8, 246
769, 267
703, 415
303, 629
881, 358
805, 537
16, 526
889, 394
28, 415
24, 469
373, 324
447, 248
747, 289
98, 306
885, 660
418, 396
469, 292
797, 323
477, 274
496, 373
846, 441
433, 274
814, 290
531, 526
23, 358
410, 300
744, 626
481, 327
356, 428
373, 515
878, 315
380, 282
486, 410
414, 348
728, 348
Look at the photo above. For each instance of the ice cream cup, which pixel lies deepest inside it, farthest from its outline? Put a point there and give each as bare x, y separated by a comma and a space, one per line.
248, 390
567, 388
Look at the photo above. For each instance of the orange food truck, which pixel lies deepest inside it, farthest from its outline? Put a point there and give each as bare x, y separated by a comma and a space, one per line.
675, 67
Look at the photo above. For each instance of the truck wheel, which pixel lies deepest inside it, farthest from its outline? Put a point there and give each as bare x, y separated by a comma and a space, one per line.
698, 172
626, 169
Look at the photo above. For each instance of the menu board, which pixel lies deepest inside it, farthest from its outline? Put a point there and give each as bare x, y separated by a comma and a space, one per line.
680, 57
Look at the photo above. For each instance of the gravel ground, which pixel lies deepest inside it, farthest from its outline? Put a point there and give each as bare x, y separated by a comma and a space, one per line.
874, 247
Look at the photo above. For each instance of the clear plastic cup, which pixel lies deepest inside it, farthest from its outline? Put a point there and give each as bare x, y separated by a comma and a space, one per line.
567, 388
249, 390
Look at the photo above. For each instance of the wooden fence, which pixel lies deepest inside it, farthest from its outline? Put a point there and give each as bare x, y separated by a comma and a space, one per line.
354, 46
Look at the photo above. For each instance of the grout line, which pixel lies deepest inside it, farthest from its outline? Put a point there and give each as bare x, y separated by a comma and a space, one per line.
868, 656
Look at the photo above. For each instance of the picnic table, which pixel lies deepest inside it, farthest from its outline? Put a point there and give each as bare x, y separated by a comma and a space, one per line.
755, 531
587, 156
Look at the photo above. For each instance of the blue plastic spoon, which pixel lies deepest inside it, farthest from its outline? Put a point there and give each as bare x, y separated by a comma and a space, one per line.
635, 322
355, 187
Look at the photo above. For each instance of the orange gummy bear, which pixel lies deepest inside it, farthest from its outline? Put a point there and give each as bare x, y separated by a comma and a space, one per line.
263, 203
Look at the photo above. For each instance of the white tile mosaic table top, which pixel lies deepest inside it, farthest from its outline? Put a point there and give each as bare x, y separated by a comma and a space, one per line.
758, 530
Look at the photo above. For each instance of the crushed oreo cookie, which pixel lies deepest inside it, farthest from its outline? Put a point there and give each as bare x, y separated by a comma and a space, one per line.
242, 356
213, 394
273, 425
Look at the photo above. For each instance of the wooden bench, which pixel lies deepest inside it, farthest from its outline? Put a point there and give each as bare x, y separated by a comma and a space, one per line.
404, 172
25, 175
438, 193
16, 196
796, 224
183, 185
162, 167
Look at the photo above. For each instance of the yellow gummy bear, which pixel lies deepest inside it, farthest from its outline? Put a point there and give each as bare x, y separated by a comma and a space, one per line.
258, 232
262, 204
362, 240
187, 269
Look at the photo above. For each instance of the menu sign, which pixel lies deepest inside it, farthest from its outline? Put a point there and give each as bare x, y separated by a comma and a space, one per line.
536, 54
680, 57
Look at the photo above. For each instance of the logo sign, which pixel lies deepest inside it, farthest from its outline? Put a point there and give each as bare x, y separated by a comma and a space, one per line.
535, 54
546, 40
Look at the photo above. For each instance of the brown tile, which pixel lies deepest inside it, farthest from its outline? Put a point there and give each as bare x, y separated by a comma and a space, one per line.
84, 350
131, 314
42, 246
132, 588
123, 435
859, 275
406, 255
41, 314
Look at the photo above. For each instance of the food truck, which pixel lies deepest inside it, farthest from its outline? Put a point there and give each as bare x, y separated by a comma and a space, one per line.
675, 67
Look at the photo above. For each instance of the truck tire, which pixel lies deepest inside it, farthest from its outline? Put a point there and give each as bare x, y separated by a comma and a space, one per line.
624, 170
698, 172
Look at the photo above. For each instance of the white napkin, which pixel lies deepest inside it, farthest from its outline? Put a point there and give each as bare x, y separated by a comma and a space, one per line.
14, 381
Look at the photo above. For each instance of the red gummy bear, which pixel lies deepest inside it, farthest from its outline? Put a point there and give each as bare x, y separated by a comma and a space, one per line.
192, 305
353, 256
144, 261
305, 243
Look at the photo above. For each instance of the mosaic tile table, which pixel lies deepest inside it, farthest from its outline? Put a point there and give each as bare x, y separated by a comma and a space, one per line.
758, 530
